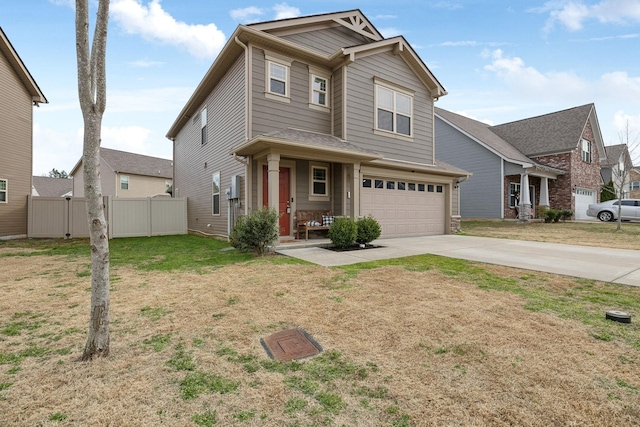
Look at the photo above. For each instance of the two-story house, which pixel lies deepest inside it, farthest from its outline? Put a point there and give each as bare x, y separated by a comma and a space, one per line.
19, 92
617, 168
125, 174
552, 160
315, 113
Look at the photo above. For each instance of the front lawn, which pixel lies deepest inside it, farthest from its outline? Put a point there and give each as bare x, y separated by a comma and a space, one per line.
423, 340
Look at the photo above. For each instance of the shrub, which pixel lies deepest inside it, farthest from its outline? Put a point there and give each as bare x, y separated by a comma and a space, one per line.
541, 211
550, 215
256, 231
343, 232
368, 230
566, 214
558, 215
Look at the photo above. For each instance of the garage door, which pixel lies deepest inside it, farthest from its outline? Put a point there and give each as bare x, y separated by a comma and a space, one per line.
584, 197
404, 208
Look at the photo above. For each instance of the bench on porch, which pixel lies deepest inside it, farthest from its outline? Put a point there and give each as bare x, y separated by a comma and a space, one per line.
312, 220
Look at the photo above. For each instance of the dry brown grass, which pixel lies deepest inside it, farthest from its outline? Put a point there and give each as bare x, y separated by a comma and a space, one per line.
448, 352
574, 233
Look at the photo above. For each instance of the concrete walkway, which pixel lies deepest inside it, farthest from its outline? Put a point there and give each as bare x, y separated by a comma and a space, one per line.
605, 264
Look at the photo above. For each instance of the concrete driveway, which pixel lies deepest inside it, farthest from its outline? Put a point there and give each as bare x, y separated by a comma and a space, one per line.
605, 264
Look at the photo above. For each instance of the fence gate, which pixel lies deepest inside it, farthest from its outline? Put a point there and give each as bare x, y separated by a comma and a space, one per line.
57, 217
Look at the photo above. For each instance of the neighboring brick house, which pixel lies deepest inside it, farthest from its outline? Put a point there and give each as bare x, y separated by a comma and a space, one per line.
617, 168
19, 93
125, 174
634, 183
550, 160
318, 113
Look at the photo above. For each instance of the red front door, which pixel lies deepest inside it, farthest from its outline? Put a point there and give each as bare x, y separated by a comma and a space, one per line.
285, 196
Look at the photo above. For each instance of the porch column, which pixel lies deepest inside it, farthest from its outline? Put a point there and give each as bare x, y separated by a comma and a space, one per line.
544, 192
273, 168
354, 201
525, 198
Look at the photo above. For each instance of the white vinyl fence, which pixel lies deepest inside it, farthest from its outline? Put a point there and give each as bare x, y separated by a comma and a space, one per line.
66, 217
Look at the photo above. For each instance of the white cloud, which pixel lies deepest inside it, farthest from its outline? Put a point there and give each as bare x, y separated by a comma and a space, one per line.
134, 139
573, 14
374, 18
284, 11
247, 14
53, 149
154, 24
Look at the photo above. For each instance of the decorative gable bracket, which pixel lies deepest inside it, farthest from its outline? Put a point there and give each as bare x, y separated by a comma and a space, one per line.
358, 24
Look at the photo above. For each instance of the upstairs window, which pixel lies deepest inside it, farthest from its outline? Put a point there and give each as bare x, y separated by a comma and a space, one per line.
278, 76
635, 185
203, 126
585, 152
394, 110
3, 191
319, 91
124, 182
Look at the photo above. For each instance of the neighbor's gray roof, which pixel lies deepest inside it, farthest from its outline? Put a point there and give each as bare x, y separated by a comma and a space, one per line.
52, 187
137, 164
482, 132
550, 133
614, 152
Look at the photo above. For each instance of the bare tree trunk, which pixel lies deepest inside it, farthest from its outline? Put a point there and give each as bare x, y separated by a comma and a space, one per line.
92, 94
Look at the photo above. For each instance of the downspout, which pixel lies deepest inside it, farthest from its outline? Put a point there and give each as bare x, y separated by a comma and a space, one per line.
247, 100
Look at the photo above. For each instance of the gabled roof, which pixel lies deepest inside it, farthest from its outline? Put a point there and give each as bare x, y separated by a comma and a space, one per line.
52, 187
551, 133
135, 164
615, 153
21, 70
481, 133
264, 35
352, 19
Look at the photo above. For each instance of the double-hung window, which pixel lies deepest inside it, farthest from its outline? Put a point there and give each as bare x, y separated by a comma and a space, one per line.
319, 183
4, 188
215, 194
124, 182
319, 91
635, 185
394, 110
585, 151
278, 76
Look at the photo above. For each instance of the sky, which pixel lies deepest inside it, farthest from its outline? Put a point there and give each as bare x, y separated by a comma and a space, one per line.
499, 60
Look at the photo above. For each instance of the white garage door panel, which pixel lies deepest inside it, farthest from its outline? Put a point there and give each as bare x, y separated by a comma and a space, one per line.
584, 198
404, 213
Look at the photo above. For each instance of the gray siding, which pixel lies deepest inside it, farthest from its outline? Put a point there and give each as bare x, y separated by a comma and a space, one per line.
107, 180
480, 195
196, 163
336, 102
16, 118
327, 41
269, 115
361, 108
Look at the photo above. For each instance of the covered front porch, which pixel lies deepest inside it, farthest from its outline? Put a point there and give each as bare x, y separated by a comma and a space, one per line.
293, 171
528, 190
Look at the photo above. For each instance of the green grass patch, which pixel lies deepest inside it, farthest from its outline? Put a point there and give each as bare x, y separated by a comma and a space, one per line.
153, 313
182, 360
244, 415
294, 405
205, 419
157, 342
198, 382
58, 416
4, 386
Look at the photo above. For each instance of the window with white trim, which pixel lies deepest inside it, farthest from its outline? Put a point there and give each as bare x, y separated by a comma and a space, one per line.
319, 90
635, 185
215, 193
4, 191
394, 110
278, 78
585, 152
319, 181
124, 182
203, 126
